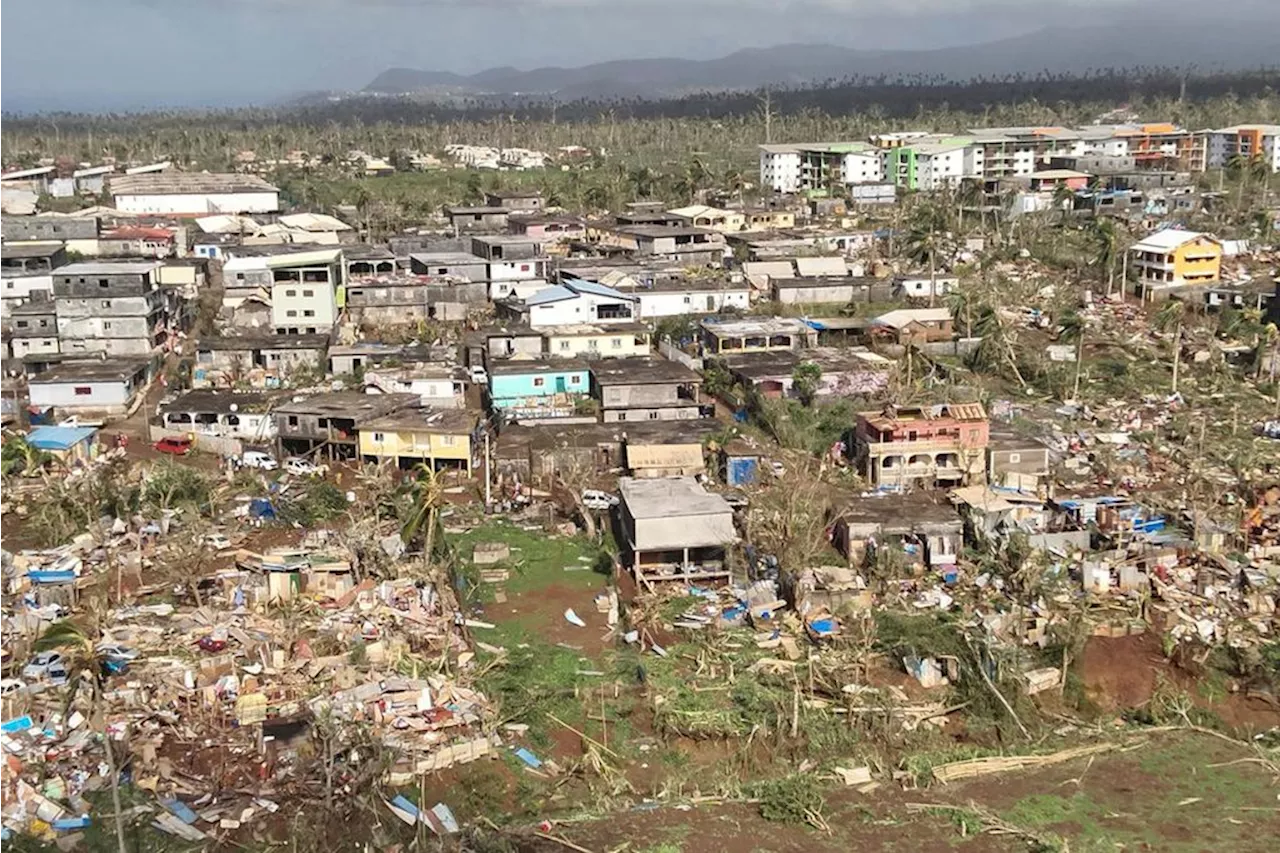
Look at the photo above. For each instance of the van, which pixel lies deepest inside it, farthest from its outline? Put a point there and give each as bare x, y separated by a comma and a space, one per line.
258, 459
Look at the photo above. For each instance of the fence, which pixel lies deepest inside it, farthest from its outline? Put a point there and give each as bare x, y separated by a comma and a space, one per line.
215, 444
674, 353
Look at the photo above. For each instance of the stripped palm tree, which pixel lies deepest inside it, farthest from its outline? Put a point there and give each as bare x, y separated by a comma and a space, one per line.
79, 645
428, 492
1072, 329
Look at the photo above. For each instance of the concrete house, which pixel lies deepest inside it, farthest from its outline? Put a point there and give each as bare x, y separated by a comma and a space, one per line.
440, 439
259, 361
437, 386
244, 416
76, 233
306, 291
510, 260
1171, 259
397, 299
517, 201
477, 217
691, 246
922, 285
904, 446
102, 387
531, 390
573, 302
674, 529
459, 264
26, 270
824, 290
551, 229
33, 327
846, 371
586, 341
701, 216
916, 325
768, 334
112, 307
329, 424
1017, 462
675, 298
648, 389
924, 530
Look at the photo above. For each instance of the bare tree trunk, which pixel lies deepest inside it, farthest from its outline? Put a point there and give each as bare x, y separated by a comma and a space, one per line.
115, 783
1177, 355
1075, 386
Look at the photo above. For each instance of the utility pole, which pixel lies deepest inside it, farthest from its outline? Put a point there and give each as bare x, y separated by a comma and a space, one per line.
488, 500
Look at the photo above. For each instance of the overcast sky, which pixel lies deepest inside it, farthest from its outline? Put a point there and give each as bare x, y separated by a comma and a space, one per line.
103, 54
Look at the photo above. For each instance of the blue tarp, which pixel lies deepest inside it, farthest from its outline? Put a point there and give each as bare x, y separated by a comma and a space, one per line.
17, 724
261, 508
59, 437
51, 576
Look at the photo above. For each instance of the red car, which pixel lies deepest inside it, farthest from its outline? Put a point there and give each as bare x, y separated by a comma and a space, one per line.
211, 645
176, 446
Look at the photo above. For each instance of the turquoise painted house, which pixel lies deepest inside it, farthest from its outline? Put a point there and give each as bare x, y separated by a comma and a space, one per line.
538, 389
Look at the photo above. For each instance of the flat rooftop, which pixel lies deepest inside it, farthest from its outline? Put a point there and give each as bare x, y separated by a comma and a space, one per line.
43, 249
206, 400
97, 370
908, 510
88, 268
670, 497
641, 371
355, 405
442, 421
762, 326
519, 367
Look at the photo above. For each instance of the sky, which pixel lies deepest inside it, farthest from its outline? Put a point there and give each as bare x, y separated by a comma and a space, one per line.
133, 54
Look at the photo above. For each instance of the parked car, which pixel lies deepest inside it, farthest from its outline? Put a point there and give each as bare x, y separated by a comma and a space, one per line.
479, 376
211, 645
259, 459
217, 541
116, 651
301, 467
596, 499
175, 446
9, 686
49, 666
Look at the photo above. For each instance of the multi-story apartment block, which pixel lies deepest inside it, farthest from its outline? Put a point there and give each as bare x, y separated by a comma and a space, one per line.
1171, 259
112, 307
1245, 140
819, 166
780, 168
922, 445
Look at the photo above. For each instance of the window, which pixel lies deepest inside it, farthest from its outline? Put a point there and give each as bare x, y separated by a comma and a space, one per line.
538, 382
1015, 458
524, 268
575, 380
308, 313
564, 345
688, 300
21, 324
616, 343
293, 420
622, 416
106, 325
447, 440
106, 303
291, 293
291, 313
84, 391
102, 282
379, 437
308, 293
239, 276
653, 416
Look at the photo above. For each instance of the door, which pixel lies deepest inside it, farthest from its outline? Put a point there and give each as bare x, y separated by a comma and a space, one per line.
561, 385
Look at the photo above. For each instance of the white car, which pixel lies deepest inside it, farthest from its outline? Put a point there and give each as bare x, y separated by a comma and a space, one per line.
479, 376
598, 500
301, 467
50, 665
9, 686
217, 541
116, 651
258, 459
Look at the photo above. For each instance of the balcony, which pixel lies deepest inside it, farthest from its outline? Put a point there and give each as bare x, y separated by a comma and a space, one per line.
897, 448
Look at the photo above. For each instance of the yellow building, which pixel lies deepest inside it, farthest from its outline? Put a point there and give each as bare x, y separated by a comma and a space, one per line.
1171, 259
767, 219
701, 216
442, 439
620, 341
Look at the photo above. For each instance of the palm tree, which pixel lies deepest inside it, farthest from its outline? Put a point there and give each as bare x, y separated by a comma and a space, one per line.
428, 492
80, 647
1072, 328
1102, 230
924, 239
1169, 316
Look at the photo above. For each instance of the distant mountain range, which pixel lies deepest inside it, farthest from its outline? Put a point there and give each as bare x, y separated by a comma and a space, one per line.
1234, 43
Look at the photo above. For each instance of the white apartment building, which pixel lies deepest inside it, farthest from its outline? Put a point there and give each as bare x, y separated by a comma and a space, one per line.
1247, 140
780, 168
939, 164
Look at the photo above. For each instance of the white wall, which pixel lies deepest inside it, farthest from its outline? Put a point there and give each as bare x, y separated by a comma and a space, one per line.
519, 288
18, 289
780, 171
301, 297
672, 303
516, 270
32, 346
865, 168
255, 202
567, 312
100, 395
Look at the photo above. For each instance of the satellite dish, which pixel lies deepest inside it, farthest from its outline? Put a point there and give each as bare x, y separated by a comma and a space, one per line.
235, 407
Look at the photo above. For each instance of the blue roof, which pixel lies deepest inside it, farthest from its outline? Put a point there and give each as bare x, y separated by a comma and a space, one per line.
581, 285
550, 294
59, 437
